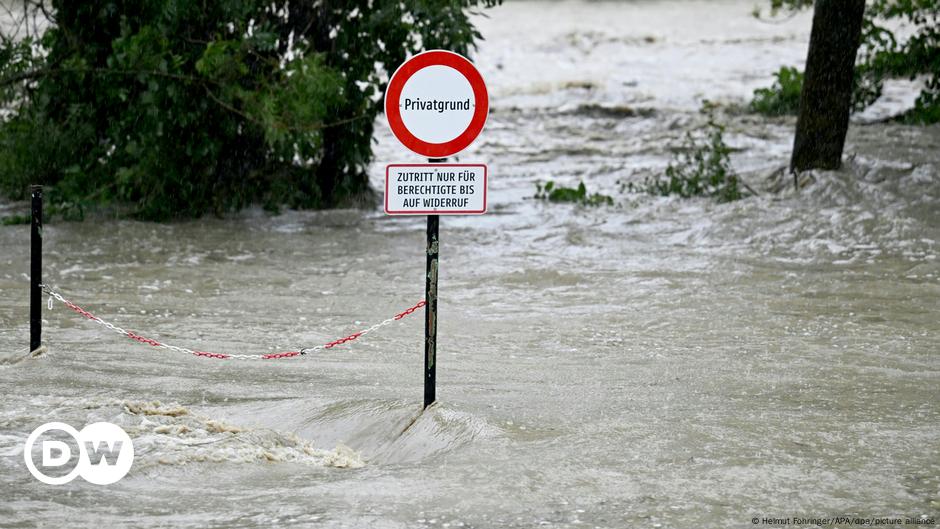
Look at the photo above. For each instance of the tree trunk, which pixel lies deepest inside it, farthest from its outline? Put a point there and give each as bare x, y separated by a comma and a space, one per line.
826, 98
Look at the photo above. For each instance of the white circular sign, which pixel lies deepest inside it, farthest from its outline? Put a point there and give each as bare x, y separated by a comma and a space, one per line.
430, 117
436, 103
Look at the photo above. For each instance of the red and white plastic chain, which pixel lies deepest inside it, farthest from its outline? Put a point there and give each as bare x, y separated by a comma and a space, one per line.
269, 356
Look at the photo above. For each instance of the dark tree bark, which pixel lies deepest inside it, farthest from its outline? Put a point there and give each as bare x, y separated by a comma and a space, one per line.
826, 98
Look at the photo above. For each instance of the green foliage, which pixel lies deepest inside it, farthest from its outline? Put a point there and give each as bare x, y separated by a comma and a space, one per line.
777, 6
702, 167
783, 97
577, 195
14, 220
173, 108
883, 56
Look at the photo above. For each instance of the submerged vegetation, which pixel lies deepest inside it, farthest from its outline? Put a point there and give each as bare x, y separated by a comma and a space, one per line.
882, 55
577, 195
170, 108
701, 167
783, 97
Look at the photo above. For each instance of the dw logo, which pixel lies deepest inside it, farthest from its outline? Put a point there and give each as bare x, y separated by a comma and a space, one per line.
104, 452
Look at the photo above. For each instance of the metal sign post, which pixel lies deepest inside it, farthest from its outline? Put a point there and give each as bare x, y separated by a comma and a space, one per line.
436, 104
430, 320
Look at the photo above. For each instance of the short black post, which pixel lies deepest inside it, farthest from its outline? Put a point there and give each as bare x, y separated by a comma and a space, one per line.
430, 297
35, 270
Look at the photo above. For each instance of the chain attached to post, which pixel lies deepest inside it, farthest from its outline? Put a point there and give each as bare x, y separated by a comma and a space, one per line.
269, 356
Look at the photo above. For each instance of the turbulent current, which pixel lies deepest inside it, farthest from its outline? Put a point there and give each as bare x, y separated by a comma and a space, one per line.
658, 362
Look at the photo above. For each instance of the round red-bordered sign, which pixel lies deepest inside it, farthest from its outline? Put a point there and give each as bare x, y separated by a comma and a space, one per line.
481, 103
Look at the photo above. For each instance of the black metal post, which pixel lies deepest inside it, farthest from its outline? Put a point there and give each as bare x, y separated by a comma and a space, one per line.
430, 322
35, 269
430, 297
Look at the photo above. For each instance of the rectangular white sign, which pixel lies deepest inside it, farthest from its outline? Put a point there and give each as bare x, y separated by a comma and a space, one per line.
435, 189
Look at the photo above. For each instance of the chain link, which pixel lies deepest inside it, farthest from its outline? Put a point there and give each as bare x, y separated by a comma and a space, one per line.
183, 350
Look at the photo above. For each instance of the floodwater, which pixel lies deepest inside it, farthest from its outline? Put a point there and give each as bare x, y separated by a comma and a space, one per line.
656, 363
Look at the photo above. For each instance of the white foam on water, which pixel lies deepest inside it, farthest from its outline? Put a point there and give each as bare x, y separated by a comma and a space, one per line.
173, 435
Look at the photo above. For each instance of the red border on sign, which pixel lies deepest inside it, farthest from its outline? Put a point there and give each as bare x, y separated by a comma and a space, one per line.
436, 212
404, 72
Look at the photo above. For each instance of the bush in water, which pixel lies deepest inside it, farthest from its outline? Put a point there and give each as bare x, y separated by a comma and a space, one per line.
702, 167
578, 195
783, 97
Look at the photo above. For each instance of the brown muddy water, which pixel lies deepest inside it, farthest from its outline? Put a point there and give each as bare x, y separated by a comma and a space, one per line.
656, 363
